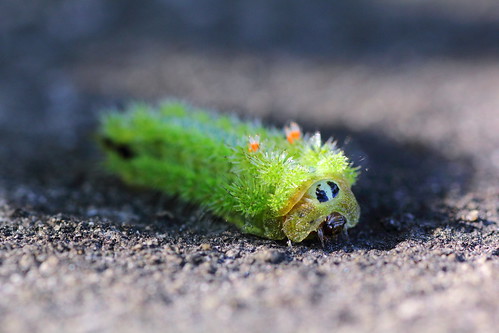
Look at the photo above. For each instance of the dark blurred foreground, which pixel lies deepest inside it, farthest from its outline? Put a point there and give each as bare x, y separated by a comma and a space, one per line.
411, 90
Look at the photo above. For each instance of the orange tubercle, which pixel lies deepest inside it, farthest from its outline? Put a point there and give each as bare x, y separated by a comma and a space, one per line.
293, 132
254, 143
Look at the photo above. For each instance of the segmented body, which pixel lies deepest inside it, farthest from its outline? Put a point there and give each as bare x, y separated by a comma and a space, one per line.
257, 178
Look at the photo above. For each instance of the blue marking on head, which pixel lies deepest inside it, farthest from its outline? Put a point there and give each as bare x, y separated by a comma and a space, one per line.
321, 194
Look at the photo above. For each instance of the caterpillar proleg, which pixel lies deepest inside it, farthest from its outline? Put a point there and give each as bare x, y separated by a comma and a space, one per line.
277, 184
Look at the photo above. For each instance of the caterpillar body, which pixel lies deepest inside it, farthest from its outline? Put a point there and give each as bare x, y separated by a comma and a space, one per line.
271, 183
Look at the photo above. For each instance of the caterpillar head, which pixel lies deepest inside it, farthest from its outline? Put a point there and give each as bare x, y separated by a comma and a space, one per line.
326, 207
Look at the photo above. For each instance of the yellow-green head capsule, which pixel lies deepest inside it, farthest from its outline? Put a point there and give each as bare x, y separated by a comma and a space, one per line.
271, 183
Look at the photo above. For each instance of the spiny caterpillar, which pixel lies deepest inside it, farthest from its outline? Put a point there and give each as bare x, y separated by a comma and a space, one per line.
268, 183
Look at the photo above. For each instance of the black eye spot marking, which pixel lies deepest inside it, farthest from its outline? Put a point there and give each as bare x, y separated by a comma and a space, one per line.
321, 194
334, 188
324, 190
123, 150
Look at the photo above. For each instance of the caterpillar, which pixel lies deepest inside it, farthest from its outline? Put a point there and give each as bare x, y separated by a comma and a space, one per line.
268, 182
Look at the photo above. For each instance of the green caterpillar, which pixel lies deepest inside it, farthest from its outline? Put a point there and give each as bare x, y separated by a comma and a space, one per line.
270, 183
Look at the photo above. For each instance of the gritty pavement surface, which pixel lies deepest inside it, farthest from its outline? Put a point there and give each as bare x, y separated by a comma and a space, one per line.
411, 91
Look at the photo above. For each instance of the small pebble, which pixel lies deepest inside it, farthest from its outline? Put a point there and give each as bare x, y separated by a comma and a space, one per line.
273, 256
233, 253
49, 265
205, 247
472, 216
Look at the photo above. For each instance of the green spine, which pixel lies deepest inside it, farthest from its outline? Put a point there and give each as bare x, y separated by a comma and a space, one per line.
203, 157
